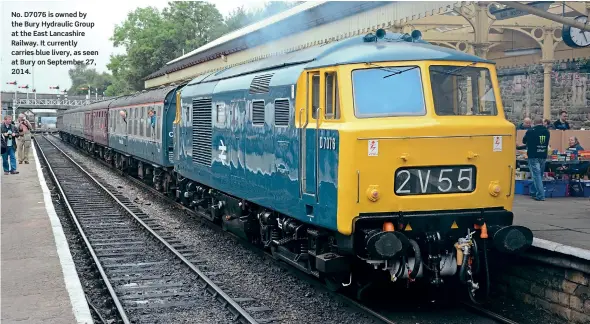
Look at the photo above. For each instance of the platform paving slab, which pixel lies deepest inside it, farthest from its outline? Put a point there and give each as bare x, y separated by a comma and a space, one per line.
39, 283
561, 220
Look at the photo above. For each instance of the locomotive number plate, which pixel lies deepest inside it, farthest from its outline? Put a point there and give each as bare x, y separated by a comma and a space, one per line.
434, 180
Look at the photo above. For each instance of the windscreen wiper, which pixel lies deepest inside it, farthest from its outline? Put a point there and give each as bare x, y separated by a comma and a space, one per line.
389, 69
400, 72
452, 72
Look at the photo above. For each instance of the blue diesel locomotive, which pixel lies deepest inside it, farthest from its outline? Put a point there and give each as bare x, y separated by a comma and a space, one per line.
366, 158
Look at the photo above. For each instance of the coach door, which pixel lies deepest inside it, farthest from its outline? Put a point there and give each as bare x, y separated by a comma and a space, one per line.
308, 137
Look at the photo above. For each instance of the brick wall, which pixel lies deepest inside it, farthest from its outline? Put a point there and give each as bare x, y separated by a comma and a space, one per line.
560, 291
522, 91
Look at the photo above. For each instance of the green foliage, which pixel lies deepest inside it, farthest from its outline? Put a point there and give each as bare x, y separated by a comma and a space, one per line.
152, 38
83, 77
240, 17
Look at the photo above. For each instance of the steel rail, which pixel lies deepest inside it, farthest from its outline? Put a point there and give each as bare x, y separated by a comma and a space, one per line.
488, 313
73, 216
240, 313
472, 307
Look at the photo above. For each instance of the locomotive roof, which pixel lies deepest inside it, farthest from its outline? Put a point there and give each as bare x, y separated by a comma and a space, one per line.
393, 47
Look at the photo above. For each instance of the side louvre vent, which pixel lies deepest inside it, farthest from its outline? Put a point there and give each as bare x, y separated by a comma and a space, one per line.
260, 84
282, 112
258, 112
202, 131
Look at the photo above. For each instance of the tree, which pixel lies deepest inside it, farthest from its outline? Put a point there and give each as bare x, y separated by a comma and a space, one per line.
195, 24
147, 39
81, 76
152, 38
240, 17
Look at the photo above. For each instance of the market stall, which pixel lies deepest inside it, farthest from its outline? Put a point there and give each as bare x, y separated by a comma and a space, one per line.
566, 173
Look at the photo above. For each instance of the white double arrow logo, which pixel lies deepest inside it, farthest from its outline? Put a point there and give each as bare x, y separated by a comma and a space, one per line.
222, 148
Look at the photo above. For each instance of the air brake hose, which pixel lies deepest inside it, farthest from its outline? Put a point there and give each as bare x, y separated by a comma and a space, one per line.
463, 270
417, 260
475, 249
486, 265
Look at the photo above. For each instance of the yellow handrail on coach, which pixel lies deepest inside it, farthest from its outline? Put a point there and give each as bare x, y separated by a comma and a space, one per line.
177, 118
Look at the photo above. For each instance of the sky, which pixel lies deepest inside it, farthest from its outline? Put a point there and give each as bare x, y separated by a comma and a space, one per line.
104, 14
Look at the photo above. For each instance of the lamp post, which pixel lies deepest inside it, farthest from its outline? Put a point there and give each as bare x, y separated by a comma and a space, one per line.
15, 98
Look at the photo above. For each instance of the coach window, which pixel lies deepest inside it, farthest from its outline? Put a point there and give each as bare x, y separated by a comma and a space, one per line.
332, 102
135, 121
119, 124
148, 123
141, 122
129, 123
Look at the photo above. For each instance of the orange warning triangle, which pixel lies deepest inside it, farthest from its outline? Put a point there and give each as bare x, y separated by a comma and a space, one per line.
408, 227
454, 225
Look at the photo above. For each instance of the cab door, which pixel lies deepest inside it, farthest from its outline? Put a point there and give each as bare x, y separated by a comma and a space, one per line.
308, 138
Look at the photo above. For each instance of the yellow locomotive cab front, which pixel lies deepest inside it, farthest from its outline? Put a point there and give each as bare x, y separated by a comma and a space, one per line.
427, 136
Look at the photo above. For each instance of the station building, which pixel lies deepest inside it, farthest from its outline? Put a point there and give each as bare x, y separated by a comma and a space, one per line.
539, 74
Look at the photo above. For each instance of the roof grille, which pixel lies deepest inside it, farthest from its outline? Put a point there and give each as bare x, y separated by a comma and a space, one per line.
282, 112
260, 84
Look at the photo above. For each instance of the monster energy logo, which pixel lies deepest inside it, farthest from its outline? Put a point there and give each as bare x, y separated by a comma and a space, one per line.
542, 139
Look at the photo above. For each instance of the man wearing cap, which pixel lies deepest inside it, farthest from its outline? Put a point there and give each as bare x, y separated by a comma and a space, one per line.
24, 139
536, 140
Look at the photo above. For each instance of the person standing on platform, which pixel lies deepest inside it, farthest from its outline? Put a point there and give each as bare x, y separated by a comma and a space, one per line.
562, 123
526, 124
10, 133
24, 139
536, 140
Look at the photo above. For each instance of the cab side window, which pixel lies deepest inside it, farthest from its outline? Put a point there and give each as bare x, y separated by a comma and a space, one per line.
315, 95
332, 102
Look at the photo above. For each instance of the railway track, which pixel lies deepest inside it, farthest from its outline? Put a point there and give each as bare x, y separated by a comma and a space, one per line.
150, 275
382, 316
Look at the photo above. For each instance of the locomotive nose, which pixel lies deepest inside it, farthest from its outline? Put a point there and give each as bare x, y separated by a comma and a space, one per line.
512, 239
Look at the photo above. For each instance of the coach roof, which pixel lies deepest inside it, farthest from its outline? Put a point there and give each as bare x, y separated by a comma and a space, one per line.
144, 97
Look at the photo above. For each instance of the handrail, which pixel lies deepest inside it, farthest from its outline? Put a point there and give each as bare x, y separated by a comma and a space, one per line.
53, 102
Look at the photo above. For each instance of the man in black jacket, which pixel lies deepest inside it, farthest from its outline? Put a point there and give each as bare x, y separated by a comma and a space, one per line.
562, 123
10, 133
537, 140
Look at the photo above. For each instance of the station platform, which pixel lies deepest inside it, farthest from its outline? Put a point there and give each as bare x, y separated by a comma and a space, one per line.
557, 223
39, 280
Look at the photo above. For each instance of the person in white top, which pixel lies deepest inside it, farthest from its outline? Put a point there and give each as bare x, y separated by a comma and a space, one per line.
24, 140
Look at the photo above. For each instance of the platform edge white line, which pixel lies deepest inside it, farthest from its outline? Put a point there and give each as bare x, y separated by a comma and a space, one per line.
80, 307
561, 248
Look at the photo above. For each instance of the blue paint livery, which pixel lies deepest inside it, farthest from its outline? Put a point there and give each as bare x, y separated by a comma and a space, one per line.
262, 163
259, 163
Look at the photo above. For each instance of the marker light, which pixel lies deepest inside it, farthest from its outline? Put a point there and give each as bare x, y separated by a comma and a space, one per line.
373, 194
494, 188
